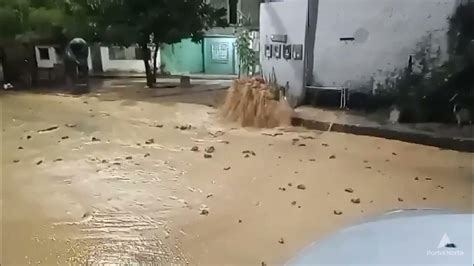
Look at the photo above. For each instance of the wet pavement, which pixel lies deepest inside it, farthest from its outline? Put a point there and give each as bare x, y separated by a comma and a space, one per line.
118, 176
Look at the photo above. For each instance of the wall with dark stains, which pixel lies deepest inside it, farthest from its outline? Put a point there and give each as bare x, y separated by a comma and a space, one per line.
363, 43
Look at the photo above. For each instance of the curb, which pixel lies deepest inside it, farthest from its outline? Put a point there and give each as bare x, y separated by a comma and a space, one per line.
456, 144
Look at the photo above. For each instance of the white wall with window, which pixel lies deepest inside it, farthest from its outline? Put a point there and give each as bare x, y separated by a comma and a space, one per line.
46, 56
123, 59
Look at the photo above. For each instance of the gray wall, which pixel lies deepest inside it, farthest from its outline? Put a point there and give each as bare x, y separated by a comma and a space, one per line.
386, 32
289, 18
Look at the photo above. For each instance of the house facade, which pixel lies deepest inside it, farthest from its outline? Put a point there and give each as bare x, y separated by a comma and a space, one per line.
360, 45
216, 53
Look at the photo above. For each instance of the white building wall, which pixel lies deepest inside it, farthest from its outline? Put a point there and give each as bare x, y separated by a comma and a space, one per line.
386, 33
109, 65
288, 18
46, 63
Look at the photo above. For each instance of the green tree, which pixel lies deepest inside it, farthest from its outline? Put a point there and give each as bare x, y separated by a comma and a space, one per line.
148, 23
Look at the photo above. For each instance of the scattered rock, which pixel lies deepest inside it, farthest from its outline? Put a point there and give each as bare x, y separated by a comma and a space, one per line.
146, 155
337, 212
117, 163
184, 127
282, 188
440, 187
39, 162
58, 160
128, 158
264, 264
249, 152
290, 184
209, 195
428, 179
424, 198
417, 178
195, 148
20, 148
332, 157
240, 221
150, 141
272, 134
400, 199
394, 153
70, 125
65, 137
302, 145
48, 129
301, 186
204, 210
387, 160
281, 241
207, 156
355, 201
368, 167
210, 149
299, 206
95, 139
349, 190
227, 168
104, 161
85, 102
312, 160
307, 137
365, 161
16, 161
28, 137
246, 155
216, 134
325, 145
293, 203
159, 125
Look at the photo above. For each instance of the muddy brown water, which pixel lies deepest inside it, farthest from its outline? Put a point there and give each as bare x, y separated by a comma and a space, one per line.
92, 191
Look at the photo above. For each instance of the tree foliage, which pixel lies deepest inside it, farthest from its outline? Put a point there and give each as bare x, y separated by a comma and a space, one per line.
145, 22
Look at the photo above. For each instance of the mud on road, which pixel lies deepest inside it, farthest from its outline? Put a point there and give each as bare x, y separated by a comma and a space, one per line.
105, 179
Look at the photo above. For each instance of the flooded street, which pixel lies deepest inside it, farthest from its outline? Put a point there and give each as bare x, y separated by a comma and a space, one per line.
114, 178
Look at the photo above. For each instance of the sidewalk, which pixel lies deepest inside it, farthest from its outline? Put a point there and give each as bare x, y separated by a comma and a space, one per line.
431, 134
142, 75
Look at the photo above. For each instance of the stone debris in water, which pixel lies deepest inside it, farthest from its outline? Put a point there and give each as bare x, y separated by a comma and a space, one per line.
70, 125
20, 148
58, 160
16, 161
249, 152
65, 137
95, 139
301, 186
400, 199
150, 141
48, 129
337, 212
195, 148
355, 201
227, 168
146, 155
207, 156
128, 158
349, 190
210, 149
281, 241
204, 210
39, 162
332, 157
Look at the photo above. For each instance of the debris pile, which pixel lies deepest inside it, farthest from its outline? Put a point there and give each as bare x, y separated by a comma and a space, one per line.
255, 103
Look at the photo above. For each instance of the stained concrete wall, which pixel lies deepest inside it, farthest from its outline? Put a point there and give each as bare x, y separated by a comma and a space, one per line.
184, 57
385, 32
290, 18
